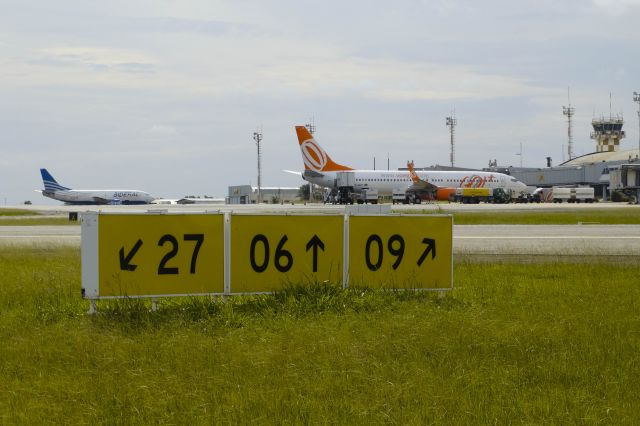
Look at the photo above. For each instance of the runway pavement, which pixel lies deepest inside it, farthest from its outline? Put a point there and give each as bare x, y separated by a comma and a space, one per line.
469, 240
519, 242
39, 236
322, 208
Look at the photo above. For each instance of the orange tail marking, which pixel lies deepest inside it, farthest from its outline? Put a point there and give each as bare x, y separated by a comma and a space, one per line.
314, 157
412, 172
303, 134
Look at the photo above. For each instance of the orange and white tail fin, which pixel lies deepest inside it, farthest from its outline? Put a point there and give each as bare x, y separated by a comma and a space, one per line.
314, 157
414, 176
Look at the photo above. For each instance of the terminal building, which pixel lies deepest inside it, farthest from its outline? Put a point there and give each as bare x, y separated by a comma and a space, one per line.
591, 169
247, 194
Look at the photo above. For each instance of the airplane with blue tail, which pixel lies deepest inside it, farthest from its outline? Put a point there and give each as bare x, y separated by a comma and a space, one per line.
52, 189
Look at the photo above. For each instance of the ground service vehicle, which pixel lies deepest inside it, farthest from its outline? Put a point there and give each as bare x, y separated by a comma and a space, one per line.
398, 197
558, 194
486, 195
502, 195
367, 196
347, 192
472, 195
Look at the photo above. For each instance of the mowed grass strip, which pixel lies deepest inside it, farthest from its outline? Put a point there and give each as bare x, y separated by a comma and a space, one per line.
38, 221
16, 212
536, 344
20, 217
608, 216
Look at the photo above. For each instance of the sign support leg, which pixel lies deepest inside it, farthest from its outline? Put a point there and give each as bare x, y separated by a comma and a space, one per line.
92, 307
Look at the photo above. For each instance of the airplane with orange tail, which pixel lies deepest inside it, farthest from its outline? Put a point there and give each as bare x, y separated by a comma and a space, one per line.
321, 170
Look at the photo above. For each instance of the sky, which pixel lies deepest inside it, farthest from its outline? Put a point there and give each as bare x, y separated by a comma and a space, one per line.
164, 96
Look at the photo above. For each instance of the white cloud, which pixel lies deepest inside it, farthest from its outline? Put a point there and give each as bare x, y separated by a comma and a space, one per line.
95, 58
615, 7
185, 83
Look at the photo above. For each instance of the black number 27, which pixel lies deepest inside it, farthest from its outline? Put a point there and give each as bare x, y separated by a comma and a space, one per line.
163, 269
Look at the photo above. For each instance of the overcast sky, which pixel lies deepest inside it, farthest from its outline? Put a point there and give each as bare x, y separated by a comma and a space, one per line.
164, 96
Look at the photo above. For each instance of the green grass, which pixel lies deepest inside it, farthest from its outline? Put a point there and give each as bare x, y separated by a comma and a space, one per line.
16, 212
609, 216
18, 217
38, 221
550, 343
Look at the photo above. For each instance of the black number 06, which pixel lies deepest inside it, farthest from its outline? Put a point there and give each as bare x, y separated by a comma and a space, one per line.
280, 254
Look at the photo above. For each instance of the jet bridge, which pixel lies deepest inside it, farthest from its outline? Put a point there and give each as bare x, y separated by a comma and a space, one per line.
625, 178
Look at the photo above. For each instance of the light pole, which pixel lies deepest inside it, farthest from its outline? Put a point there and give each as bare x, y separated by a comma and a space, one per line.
257, 136
636, 98
311, 127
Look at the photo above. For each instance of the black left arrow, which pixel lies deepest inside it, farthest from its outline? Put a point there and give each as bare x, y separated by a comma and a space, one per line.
125, 264
315, 242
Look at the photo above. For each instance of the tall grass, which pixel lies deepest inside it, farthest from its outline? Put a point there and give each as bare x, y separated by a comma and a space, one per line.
536, 344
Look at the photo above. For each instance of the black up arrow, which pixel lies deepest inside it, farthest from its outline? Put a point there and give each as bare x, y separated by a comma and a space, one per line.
124, 260
431, 248
315, 242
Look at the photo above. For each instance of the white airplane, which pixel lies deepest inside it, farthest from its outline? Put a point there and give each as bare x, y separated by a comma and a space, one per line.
320, 169
53, 189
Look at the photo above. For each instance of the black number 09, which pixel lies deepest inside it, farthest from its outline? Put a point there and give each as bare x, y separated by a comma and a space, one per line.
395, 246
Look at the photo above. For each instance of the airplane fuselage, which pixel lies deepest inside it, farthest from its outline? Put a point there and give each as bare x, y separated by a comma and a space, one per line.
109, 196
388, 182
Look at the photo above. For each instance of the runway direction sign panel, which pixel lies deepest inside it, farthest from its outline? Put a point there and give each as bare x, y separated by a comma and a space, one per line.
144, 255
270, 252
401, 251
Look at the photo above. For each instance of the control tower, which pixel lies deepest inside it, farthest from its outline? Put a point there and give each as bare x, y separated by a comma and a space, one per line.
607, 133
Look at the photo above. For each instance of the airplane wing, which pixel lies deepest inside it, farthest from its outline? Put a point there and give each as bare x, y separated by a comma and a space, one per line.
185, 201
293, 172
101, 200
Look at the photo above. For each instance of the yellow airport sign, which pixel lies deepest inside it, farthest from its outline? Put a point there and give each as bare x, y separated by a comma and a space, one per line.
401, 251
157, 254
270, 252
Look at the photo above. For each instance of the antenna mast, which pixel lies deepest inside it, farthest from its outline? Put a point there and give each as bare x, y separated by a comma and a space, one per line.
520, 154
257, 136
311, 127
451, 124
569, 111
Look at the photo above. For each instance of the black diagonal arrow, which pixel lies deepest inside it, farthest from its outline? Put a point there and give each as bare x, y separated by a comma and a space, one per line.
431, 248
315, 242
125, 264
